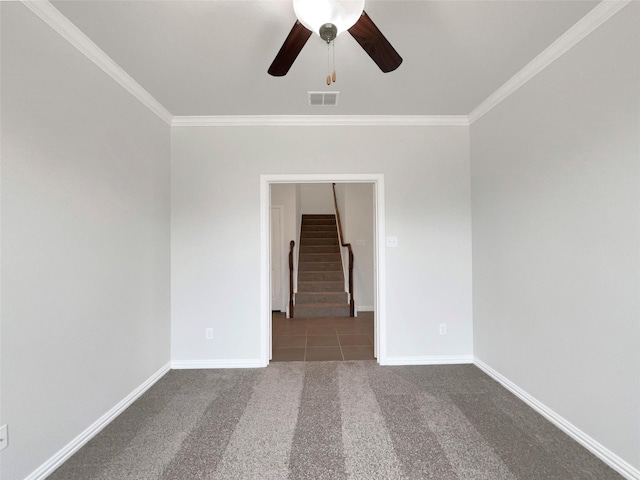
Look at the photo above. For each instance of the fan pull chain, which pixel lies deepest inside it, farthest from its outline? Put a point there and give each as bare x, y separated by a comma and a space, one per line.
328, 63
331, 77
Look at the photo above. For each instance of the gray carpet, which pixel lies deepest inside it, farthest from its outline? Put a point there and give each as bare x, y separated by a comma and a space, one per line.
331, 420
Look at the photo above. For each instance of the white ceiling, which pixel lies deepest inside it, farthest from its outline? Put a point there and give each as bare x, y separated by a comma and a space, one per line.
210, 57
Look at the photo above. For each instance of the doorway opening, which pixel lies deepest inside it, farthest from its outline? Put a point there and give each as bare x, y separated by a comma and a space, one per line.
379, 287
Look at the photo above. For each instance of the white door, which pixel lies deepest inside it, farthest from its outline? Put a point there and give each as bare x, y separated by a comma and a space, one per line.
276, 259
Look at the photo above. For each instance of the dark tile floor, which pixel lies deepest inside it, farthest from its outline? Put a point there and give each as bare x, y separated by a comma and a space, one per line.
322, 339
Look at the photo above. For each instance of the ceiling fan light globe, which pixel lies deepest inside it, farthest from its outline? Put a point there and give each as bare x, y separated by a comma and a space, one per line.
313, 14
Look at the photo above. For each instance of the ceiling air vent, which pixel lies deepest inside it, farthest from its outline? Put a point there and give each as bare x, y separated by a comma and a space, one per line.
323, 99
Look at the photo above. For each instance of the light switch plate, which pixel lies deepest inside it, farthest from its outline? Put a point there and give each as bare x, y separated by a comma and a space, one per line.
392, 242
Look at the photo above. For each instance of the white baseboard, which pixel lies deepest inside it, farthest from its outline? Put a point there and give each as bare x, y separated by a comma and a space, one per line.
429, 360
72, 447
604, 454
225, 363
365, 308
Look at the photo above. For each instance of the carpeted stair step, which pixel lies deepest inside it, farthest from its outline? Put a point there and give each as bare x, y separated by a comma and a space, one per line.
324, 298
325, 223
320, 257
320, 221
318, 234
319, 266
311, 310
318, 228
321, 286
328, 219
318, 241
304, 249
325, 276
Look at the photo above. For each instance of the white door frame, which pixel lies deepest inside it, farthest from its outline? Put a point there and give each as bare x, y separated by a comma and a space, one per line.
379, 254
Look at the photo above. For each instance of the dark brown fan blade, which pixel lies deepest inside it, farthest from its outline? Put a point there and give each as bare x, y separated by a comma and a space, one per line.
290, 49
375, 44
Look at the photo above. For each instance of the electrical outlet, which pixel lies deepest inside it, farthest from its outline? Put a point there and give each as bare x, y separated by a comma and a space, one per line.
4, 437
443, 329
208, 333
392, 242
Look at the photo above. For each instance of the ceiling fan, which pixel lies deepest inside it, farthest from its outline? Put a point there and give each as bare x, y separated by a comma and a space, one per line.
329, 18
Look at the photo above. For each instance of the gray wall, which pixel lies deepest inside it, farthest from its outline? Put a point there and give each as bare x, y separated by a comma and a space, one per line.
316, 198
358, 224
284, 195
216, 230
85, 242
556, 229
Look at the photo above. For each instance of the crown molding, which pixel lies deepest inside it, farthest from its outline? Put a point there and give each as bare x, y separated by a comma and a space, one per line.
591, 21
56, 20
321, 120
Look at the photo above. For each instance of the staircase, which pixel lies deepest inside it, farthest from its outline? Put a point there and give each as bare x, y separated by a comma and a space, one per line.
320, 275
